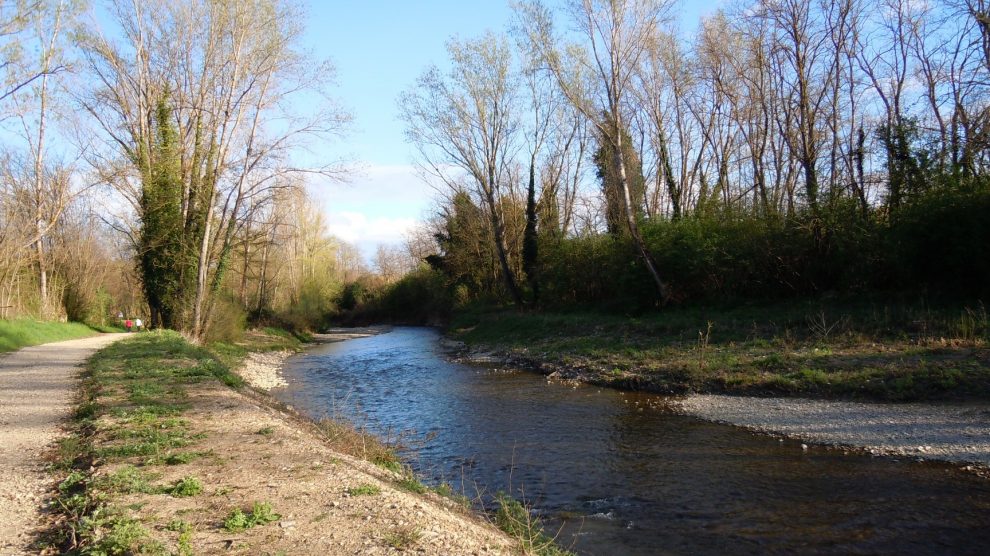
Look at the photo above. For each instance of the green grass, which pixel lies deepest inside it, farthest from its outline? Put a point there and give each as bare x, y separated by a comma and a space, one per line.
15, 334
819, 348
412, 484
130, 417
363, 490
266, 339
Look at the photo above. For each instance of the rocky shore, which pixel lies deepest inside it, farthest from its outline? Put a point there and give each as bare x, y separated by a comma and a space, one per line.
263, 370
956, 433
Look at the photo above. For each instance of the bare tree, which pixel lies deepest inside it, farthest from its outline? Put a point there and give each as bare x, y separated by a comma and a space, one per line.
596, 78
465, 122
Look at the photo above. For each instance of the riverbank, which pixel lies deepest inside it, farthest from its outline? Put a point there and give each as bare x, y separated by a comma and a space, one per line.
826, 377
801, 349
166, 456
263, 369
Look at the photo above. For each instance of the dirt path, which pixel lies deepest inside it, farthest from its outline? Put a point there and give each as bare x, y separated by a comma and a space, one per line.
36, 388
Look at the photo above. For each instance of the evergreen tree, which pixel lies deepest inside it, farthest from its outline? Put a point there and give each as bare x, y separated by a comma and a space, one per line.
530, 254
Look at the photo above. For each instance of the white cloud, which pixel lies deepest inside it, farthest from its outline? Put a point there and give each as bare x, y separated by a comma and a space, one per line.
358, 228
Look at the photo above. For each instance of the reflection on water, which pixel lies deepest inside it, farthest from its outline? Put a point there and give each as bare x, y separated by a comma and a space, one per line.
616, 476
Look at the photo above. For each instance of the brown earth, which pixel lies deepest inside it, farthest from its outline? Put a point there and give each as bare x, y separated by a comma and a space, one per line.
257, 453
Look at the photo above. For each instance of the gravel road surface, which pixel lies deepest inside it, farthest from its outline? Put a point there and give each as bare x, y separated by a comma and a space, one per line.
36, 389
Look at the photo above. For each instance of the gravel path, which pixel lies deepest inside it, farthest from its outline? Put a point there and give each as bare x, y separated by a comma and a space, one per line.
958, 433
36, 389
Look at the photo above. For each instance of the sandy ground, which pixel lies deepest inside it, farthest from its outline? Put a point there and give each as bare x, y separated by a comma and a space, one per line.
957, 433
254, 452
37, 385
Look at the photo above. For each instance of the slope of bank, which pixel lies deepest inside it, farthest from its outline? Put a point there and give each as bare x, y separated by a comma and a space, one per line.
168, 457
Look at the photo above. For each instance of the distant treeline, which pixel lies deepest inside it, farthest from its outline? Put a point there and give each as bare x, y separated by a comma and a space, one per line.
789, 148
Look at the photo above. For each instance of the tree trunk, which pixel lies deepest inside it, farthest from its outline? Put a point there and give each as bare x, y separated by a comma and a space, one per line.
644, 254
500, 246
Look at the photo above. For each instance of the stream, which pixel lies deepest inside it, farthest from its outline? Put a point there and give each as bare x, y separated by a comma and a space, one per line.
613, 472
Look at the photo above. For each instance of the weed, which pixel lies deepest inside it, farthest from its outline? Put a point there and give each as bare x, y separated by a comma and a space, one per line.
178, 526
129, 480
412, 484
261, 513
403, 538
180, 458
187, 486
517, 521
266, 431
363, 490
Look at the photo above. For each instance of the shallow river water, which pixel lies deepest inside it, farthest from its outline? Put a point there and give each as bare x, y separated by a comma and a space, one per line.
612, 473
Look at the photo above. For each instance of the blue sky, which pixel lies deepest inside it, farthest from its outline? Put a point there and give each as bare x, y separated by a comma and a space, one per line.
379, 48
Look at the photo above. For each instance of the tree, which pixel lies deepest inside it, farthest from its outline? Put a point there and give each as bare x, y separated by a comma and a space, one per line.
595, 79
228, 71
463, 124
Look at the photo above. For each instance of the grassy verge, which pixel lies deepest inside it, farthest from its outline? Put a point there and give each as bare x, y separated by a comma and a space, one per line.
15, 334
129, 423
830, 349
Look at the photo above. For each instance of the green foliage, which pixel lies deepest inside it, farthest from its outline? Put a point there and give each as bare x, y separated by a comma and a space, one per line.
531, 243
515, 519
261, 514
166, 245
15, 334
611, 183
363, 490
412, 484
187, 486
420, 297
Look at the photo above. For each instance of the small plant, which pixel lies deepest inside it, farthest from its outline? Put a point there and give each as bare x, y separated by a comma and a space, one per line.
187, 486
703, 338
821, 327
178, 526
403, 538
128, 480
266, 431
412, 484
363, 490
261, 513
516, 520
180, 458
447, 491
388, 462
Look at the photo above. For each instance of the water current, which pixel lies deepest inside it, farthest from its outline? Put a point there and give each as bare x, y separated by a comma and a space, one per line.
616, 473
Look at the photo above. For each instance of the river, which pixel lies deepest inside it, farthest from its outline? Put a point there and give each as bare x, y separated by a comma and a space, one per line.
616, 473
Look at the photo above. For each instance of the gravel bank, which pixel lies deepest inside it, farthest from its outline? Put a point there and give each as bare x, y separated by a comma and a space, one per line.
263, 370
957, 433
36, 389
